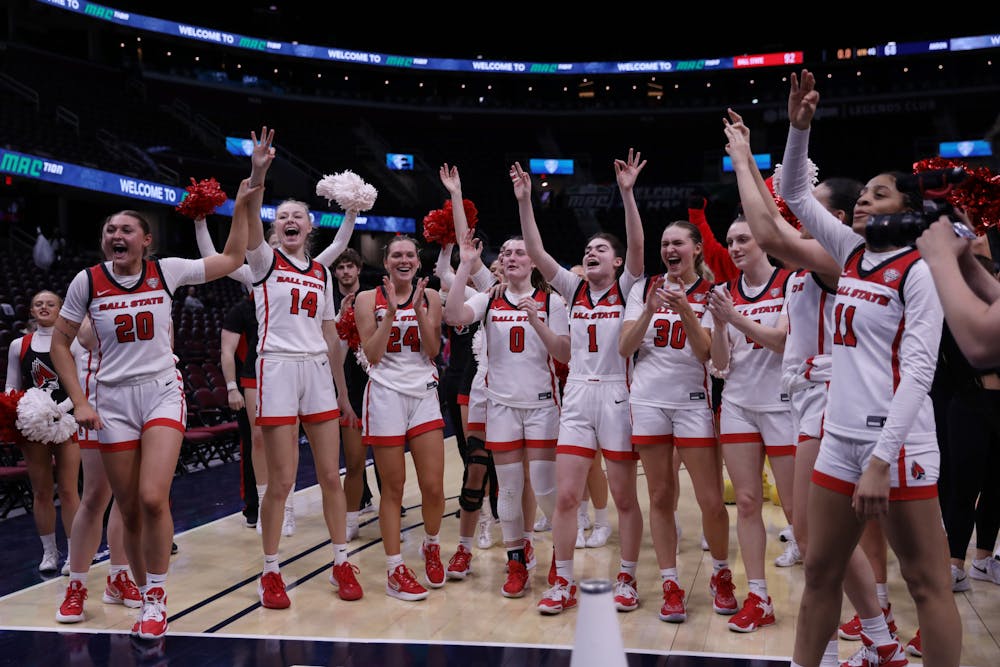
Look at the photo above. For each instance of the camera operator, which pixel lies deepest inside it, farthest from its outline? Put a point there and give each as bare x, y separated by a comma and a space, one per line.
969, 294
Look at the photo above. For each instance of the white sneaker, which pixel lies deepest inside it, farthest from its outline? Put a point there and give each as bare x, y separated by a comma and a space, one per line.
704, 543
485, 540
583, 520
370, 508
288, 525
790, 556
50, 561
65, 568
987, 569
960, 580
352, 531
542, 524
581, 538
598, 536
786, 534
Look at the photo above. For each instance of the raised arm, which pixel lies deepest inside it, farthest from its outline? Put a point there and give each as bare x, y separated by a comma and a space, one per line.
260, 161
442, 268
456, 311
452, 182
206, 248
330, 254
529, 228
716, 256
626, 172
232, 257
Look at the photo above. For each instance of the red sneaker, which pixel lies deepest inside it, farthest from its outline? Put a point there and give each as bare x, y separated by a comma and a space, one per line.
673, 610
913, 646
552, 569
347, 584
529, 555
756, 613
433, 568
885, 655
562, 595
626, 597
403, 585
71, 610
460, 565
851, 630
122, 590
517, 583
271, 589
723, 592
153, 621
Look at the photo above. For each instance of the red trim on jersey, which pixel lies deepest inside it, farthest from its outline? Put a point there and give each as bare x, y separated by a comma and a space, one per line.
775, 451
832, 483
508, 446
822, 323
804, 437
462, 399
576, 450
426, 427
124, 446
164, 421
274, 421
695, 442
90, 444
248, 383
540, 444
895, 494
896, 342
619, 456
320, 416
741, 439
477, 426
384, 440
665, 439
25, 346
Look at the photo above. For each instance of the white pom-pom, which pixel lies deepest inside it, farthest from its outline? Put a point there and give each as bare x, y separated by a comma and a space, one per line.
359, 354
812, 170
39, 419
349, 191
479, 348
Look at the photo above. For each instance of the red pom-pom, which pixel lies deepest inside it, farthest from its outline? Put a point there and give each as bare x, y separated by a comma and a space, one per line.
978, 195
347, 328
202, 198
8, 416
439, 224
786, 212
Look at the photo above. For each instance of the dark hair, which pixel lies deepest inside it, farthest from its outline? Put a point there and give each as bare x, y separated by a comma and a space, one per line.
350, 256
913, 198
844, 193
616, 246
143, 223
700, 267
537, 280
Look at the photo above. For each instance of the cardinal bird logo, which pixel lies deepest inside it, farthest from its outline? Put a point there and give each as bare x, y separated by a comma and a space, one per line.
43, 377
917, 471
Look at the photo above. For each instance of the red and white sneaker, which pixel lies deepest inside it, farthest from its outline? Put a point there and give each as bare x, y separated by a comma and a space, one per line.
552, 569
460, 565
153, 621
71, 609
756, 613
402, 584
673, 610
433, 568
343, 577
271, 589
122, 590
517, 583
885, 655
562, 595
626, 597
851, 630
529, 555
913, 646
723, 592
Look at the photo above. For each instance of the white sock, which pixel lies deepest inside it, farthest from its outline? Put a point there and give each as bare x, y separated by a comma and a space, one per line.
156, 580
877, 630
261, 490
628, 567
759, 588
830, 656
882, 592
719, 565
271, 563
392, 562
601, 517
669, 573
290, 499
466, 542
339, 554
431, 539
564, 569
48, 542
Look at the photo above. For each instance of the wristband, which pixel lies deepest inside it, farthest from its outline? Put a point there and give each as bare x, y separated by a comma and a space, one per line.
232, 386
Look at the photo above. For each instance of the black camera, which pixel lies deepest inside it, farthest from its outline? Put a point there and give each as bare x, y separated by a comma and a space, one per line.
902, 229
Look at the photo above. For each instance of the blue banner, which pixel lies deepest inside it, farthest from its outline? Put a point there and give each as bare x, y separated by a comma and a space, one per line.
76, 176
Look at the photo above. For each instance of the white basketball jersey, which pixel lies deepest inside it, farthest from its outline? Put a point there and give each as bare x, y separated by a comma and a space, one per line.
132, 325
667, 373
809, 308
594, 329
292, 304
404, 366
868, 331
754, 380
520, 373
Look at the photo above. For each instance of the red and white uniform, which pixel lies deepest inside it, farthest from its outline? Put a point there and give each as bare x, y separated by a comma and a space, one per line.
401, 399
806, 362
595, 399
86, 370
522, 391
294, 379
138, 384
671, 394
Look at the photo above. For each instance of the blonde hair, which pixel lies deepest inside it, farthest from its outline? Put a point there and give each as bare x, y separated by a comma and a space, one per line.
700, 267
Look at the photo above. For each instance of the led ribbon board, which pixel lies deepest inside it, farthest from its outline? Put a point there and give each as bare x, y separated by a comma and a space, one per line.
95, 180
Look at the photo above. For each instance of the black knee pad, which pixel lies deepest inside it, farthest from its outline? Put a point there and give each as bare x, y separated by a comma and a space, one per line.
471, 499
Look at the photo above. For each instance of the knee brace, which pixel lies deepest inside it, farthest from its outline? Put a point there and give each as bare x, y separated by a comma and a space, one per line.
511, 476
471, 498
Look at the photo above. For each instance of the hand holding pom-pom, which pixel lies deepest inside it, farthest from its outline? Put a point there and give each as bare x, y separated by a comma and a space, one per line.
347, 328
202, 198
8, 416
40, 419
349, 191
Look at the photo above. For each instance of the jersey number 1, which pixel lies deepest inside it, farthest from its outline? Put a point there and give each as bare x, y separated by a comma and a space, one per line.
843, 332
